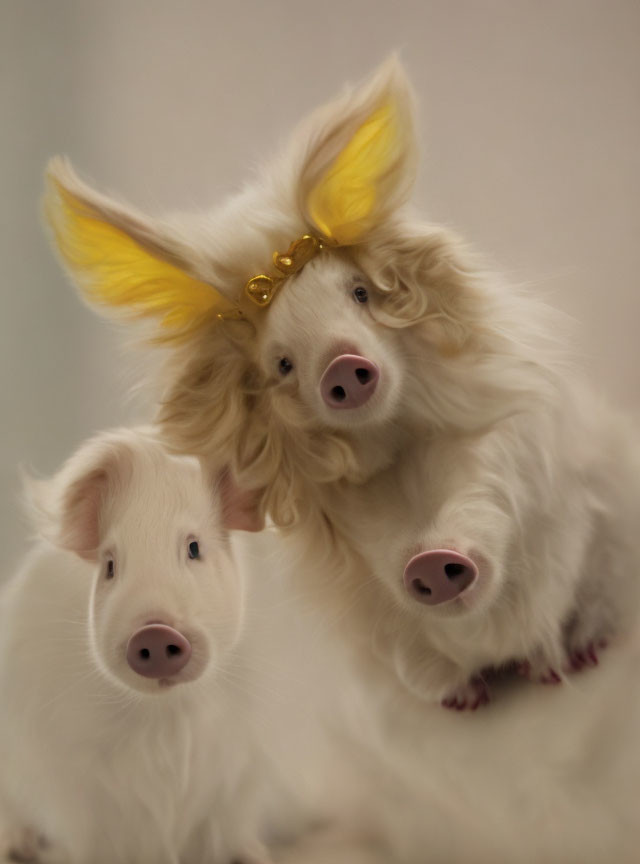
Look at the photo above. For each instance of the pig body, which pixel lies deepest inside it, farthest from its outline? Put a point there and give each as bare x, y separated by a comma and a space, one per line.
105, 759
547, 515
498, 457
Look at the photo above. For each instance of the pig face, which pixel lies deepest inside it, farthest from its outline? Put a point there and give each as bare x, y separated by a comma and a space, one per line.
167, 604
321, 347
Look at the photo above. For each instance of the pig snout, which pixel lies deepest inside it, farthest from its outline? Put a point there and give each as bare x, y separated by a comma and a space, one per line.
349, 381
438, 576
158, 651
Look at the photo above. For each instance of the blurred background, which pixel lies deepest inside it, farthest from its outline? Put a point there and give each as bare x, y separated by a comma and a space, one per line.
530, 118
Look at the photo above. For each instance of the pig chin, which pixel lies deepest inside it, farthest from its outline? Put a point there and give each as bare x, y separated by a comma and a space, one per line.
159, 686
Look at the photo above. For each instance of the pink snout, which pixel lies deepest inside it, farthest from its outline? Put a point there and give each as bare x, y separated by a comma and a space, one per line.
438, 576
158, 651
349, 381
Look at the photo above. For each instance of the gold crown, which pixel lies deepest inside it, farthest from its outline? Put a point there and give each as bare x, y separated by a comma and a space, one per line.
261, 289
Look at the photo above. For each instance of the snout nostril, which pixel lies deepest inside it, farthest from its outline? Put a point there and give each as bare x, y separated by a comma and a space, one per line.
421, 588
338, 393
452, 570
363, 375
145, 653
173, 650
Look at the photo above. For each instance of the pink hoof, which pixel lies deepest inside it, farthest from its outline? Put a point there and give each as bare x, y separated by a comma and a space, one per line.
546, 675
469, 697
582, 658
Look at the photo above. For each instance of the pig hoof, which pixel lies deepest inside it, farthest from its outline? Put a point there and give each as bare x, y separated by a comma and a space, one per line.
581, 658
539, 673
467, 697
585, 636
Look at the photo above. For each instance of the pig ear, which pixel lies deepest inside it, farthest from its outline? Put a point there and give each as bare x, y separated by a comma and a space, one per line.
240, 507
124, 262
70, 508
360, 164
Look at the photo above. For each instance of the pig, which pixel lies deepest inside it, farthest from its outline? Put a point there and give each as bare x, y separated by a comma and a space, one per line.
142, 719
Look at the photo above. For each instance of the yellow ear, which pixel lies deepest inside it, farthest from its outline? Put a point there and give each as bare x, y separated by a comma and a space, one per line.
344, 204
116, 271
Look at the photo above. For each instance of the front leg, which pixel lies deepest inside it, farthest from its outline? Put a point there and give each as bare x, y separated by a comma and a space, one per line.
444, 576
456, 571
432, 676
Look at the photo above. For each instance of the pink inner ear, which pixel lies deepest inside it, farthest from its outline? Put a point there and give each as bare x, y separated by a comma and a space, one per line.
80, 525
240, 507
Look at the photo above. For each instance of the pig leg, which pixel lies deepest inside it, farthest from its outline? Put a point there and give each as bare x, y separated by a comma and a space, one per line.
583, 644
587, 635
432, 676
541, 668
606, 600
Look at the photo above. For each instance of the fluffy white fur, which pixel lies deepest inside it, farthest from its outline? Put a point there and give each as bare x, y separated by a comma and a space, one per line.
100, 764
479, 435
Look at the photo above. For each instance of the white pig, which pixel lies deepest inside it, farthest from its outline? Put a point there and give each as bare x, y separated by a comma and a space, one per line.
141, 720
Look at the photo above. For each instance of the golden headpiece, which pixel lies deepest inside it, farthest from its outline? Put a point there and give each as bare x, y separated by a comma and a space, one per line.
261, 288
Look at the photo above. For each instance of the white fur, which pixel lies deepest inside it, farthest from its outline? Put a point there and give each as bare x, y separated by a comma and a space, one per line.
543, 774
482, 436
108, 766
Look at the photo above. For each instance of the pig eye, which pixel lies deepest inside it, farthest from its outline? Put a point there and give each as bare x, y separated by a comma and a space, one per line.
285, 366
360, 294
194, 549
111, 569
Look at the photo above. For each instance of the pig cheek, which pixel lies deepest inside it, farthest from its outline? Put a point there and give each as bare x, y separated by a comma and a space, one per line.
392, 385
489, 587
105, 635
225, 616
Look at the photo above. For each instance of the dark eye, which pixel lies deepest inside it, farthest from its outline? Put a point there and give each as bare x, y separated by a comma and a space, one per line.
194, 549
285, 366
111, 569
360, 294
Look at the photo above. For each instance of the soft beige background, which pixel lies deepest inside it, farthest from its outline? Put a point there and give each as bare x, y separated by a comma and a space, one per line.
530, 118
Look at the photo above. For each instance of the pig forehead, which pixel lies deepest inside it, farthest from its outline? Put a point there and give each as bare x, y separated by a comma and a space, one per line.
317, 291
163, 493
329, 269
